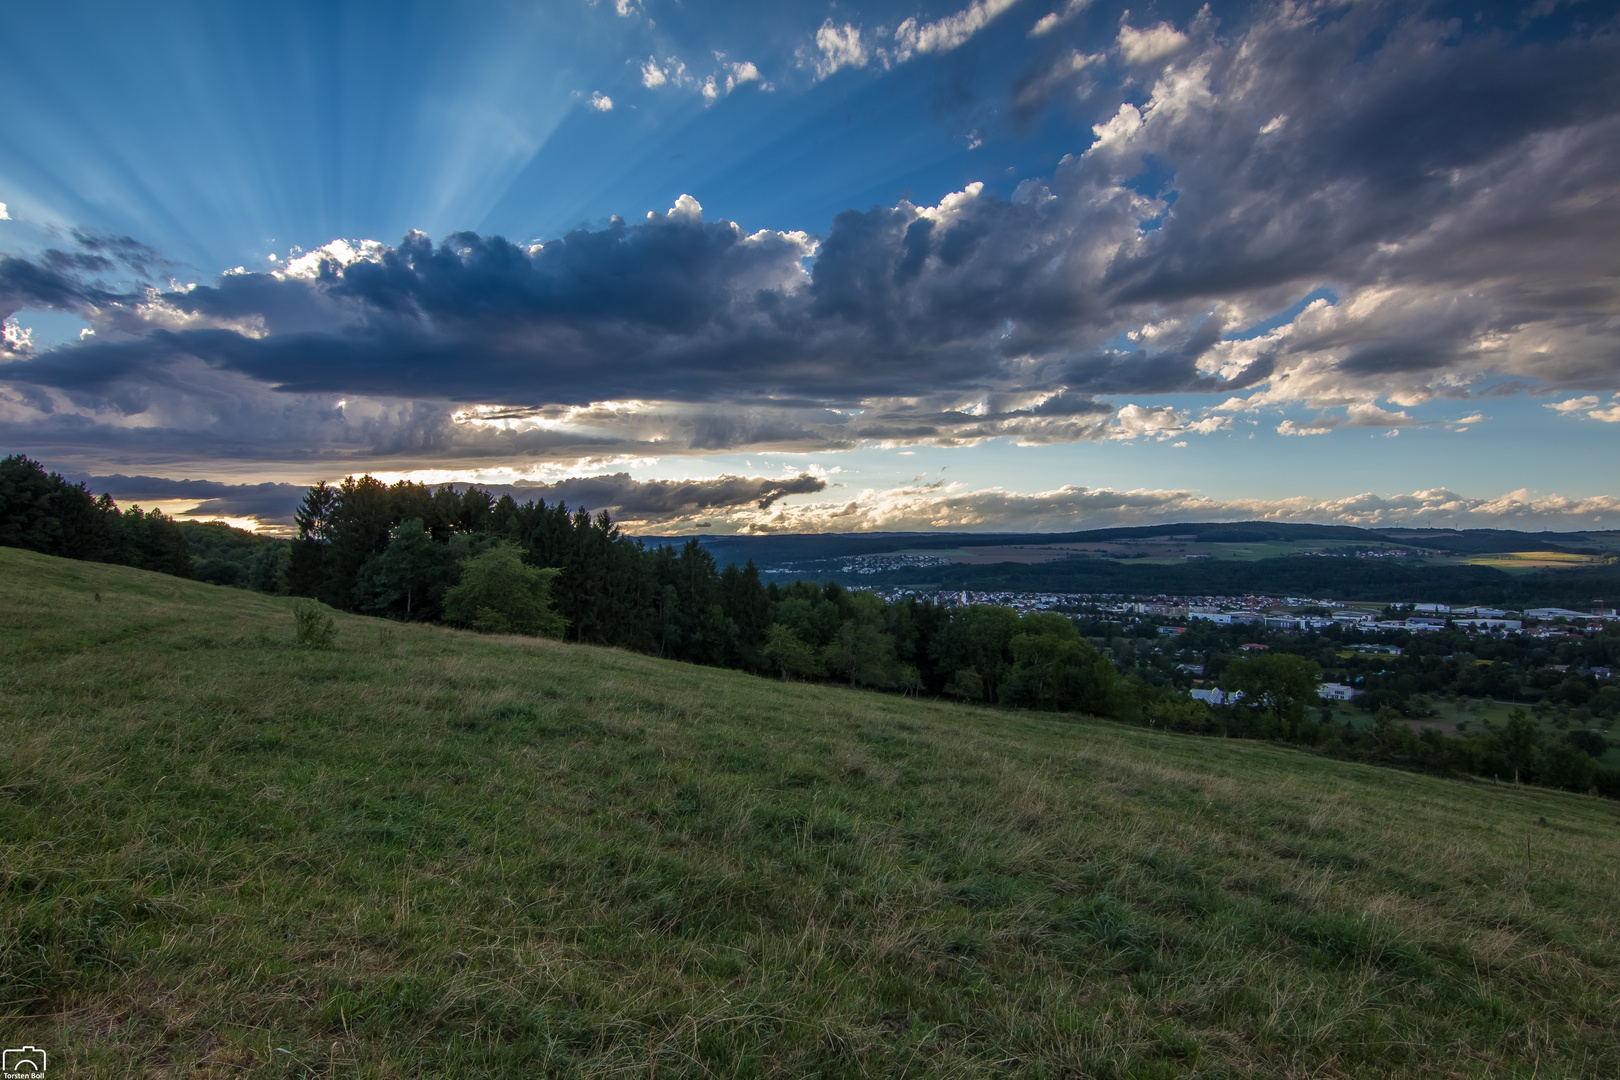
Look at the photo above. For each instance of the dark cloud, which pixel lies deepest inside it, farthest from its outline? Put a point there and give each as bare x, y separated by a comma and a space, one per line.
628, 498
657, 499
1450, 184
270, 504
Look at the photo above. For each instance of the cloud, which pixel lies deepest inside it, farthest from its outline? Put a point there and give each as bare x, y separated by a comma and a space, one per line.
1364, 414
601, 102
1589, 404
836, 47
631, 501
654, 500
1434, 219
268, 504
957, 507
4, 216
653, 75
1051, 21
1320, 426
945, 34
1150, 45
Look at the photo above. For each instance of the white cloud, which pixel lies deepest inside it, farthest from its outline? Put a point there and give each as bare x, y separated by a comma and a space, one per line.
1154, 43
1120, 127
947, 33
1047, 23
1366, 414
839, 48
1580, 404
1315, 427
1275, 124
3, 215
742, 72
653, 76
955, 506
1589, 405
626, 8
601, 102
16, 340
1160, 422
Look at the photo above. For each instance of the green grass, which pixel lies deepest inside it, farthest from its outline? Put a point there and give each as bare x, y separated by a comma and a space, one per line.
429, 853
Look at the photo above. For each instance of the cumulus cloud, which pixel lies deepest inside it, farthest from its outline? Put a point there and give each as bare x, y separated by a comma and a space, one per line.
601, 102
1151, 45
4, 216
1589, 405
1458, 248
956, 506
654, 75
836, 47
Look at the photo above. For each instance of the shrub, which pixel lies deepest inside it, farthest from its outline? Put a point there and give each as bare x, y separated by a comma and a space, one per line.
499, 594
314, 627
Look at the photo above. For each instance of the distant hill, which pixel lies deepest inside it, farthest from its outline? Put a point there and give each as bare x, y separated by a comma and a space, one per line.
1207, 558
776, 549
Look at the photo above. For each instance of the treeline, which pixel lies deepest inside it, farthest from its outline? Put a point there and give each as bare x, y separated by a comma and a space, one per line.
1280, 702
42, 512
409, 551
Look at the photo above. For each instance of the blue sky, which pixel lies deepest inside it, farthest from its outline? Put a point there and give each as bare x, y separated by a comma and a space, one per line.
989, 264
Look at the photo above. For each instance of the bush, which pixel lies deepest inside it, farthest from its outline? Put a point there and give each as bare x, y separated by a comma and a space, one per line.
499, 594
314, 627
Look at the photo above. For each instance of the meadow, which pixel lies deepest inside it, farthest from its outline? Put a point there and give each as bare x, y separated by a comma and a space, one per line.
426, 852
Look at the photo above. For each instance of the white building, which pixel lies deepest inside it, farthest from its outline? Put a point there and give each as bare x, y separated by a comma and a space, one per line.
1217, 697
1491, 624
1333, 691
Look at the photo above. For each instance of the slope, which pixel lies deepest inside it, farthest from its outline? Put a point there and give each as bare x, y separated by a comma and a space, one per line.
430, 853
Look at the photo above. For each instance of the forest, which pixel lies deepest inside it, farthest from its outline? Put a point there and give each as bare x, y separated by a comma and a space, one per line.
412, 552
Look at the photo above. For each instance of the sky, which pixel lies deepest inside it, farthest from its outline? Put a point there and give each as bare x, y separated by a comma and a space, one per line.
993, 265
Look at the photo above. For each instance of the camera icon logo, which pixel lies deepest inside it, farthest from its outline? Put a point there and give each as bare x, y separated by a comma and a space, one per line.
23, 1062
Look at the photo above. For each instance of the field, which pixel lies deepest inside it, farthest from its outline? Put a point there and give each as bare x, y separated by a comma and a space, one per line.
1161, 549
427, 853
1527, 561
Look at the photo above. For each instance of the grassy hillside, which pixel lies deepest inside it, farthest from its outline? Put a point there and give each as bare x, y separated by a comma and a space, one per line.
429, 853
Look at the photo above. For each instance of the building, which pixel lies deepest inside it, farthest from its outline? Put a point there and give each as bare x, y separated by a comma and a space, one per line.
1333, 691
1218, 697
1490, 624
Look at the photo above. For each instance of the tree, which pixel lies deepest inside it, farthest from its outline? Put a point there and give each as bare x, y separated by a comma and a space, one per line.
863, 652
498, 594
966, 684
43, 512
788, 653
1055, 668
271, 568
1277, 690
407, 578
1519, 742
977, 637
